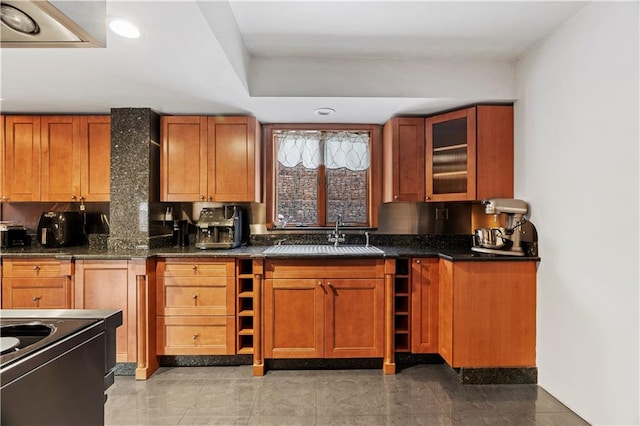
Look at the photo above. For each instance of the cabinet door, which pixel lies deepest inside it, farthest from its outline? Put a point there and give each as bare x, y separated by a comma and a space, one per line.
183, 158
451, 156
494, 314
22, 158
293, 318
445, 311
424, 306
354, 318
62, 138
233, 159
494, 146
96, 158
108, 284
403, 160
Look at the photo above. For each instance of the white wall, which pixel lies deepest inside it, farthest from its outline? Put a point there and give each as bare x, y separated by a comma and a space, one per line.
577, 162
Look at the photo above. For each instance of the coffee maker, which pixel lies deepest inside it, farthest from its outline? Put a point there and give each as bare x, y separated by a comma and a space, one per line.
219, 227
505, 240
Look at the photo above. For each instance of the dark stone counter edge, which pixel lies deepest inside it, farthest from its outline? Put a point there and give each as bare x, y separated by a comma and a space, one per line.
251, 252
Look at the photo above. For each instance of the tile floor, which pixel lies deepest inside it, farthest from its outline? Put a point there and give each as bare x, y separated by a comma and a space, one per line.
419, 395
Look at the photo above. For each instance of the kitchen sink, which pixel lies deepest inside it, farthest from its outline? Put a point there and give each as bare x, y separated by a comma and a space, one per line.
323, 249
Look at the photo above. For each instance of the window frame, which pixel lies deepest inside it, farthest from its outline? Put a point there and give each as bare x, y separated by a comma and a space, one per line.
374, 175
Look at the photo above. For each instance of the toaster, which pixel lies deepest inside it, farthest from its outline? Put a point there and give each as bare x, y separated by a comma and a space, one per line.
61, 229
13, 235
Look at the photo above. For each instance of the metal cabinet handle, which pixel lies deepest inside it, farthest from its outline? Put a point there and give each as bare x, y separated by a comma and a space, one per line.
417, 261
36, 268
209, 198
4, 198
73, 197
202, 198
194, 337
194, 267
426, 198
331, 286
36, 298
194, 297
395, 197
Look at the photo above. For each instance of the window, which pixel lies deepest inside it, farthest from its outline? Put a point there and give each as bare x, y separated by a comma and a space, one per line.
317, 174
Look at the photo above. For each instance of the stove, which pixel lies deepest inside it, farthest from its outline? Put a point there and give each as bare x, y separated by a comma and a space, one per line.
55, 365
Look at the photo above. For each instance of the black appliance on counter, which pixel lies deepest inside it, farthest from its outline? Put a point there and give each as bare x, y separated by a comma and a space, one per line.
220, 227
61, 229
13, 235
56, 365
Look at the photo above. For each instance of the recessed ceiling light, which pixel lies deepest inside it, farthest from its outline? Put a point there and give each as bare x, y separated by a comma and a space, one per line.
324, 111
18, 20
124, 28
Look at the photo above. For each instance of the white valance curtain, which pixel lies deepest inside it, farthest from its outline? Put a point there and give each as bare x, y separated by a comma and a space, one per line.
333, 149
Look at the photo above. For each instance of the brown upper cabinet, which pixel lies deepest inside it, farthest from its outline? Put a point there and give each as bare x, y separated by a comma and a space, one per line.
210, 159
403, 160
84, 143
470, 154
57, 158
22, 158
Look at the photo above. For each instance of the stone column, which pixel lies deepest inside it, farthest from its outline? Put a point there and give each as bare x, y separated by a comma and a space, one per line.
135, 165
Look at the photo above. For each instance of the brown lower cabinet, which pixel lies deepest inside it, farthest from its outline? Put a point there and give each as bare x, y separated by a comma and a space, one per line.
125, 285
487, 313
195, 306
108, 284
36, 284
316, 309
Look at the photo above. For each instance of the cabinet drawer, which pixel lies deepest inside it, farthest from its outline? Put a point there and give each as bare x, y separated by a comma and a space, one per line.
32, 268
192, 267
39, 298
196, 296
305, 268
196, 335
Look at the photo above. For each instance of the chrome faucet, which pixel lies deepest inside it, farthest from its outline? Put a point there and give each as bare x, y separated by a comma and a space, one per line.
336, 238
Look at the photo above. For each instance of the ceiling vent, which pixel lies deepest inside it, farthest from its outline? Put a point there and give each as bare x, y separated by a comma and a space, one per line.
53, 23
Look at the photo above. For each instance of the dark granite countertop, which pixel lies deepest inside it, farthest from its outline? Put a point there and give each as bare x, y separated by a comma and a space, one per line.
253, 251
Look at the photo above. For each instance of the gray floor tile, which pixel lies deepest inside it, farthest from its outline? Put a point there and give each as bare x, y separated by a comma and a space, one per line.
282, 420
214, 420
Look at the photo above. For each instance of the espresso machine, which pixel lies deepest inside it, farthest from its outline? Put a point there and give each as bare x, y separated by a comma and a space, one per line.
506, 240
219, 227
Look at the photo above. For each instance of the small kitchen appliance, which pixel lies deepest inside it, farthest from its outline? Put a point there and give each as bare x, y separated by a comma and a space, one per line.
13, 235
60, 229
502, 240
219, 227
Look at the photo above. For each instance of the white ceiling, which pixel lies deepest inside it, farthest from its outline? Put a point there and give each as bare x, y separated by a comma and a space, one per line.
279, 61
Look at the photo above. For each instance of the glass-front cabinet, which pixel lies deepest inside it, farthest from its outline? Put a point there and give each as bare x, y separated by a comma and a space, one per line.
451, 156
469, 154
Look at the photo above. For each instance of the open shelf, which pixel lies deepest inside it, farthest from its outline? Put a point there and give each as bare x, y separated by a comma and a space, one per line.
244, 303
402, 302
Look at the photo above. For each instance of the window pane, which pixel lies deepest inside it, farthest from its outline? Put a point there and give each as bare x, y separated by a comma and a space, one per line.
347, 195
297, 194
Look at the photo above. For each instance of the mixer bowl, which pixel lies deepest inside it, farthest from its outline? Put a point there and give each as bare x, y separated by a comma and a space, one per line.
494, 238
